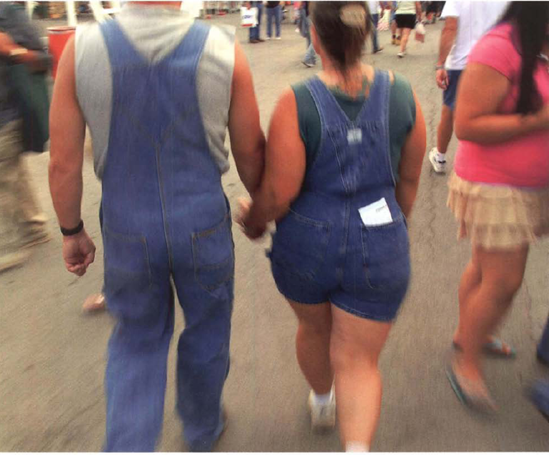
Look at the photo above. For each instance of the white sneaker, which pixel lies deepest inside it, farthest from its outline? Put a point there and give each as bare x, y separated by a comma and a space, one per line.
401, 54
438, 166
278, 38
323, 417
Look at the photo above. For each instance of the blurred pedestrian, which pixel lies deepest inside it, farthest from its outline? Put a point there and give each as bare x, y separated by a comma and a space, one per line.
305, 26
274, 14
406, 15
466, 22
345, 151
22, 222
138, 82
395, 41
255, 32
499, 192
374, 14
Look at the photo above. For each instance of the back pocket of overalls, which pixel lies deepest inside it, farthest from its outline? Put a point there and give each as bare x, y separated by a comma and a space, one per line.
127, 273
300, 244
386, 255
213, 255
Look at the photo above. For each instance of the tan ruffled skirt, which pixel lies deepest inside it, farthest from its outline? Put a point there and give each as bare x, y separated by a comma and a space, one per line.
498, 216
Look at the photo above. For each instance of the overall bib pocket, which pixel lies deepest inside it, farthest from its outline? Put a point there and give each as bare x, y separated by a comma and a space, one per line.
386, 255
213, 255
300, 245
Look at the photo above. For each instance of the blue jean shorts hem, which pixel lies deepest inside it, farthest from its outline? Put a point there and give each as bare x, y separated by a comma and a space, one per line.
449, 95
364, 315
300, 299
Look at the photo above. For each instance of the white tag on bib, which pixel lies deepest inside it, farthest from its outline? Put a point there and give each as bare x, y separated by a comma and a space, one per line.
354, 136
376, 214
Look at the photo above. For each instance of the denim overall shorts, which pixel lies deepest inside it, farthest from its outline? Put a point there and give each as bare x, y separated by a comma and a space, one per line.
324, 250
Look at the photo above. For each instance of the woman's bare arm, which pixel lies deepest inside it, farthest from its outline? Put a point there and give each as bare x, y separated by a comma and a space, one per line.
481, 92
284, 167
411, 161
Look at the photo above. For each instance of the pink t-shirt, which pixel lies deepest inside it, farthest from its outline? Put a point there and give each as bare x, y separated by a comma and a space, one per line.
520, 162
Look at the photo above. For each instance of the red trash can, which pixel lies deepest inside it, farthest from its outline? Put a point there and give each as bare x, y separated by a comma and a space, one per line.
57, 39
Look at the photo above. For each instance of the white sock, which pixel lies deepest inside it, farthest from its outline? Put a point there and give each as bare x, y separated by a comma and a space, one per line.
441, 157
356, 447
322, 400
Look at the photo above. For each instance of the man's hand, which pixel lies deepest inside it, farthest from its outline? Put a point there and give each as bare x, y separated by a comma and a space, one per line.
243, 217
442, 79
78, 252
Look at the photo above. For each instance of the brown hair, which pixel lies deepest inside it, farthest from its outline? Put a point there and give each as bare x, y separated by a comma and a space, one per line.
341, 35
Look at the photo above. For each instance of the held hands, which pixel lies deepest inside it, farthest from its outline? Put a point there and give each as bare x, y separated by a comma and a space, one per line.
243, 219
442, 79
78, 252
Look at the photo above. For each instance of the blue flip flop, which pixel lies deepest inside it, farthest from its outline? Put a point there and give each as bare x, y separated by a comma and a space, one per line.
477, 402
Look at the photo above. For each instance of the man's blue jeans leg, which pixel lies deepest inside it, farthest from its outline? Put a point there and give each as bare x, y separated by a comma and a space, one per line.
543, 346
375, 41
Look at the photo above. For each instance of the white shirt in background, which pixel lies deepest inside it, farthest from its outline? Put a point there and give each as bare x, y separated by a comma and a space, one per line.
407, 7
192, 7
374, 7
475, 18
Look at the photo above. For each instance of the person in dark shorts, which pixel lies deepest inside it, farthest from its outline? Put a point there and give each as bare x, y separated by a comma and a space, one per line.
344, 160
466, 22
406, 14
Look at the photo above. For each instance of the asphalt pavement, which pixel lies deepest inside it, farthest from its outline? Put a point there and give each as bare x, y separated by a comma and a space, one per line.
52, 357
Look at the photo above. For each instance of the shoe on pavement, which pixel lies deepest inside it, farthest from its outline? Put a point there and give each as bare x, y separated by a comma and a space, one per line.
259, 40
397, 41
308, 64
278, 38
254, 41
438, 166
323, 417
94, 303
539, 395
401, 54
12, 260
541, 358
379, 49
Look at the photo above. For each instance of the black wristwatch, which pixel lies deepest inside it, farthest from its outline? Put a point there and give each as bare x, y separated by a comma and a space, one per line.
73, 231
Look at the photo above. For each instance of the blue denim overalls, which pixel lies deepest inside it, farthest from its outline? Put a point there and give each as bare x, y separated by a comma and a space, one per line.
165, 217
322, 250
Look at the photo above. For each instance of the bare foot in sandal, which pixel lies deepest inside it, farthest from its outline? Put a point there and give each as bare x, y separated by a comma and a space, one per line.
94, 303
494, 347
471, 392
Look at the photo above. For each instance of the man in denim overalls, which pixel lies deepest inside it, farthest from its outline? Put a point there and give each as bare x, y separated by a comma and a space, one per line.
158, 131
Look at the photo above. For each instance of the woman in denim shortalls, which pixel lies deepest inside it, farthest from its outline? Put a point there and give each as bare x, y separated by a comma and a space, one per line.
341, 254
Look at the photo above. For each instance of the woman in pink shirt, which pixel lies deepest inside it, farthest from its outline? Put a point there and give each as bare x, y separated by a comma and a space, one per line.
499, 191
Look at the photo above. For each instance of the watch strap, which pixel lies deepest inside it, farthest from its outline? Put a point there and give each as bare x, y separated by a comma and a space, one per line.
73, 231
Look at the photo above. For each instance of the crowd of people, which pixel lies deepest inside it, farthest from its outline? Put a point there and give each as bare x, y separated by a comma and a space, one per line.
338, 172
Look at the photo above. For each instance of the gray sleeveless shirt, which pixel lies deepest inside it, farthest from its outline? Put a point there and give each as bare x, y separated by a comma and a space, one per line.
155, 32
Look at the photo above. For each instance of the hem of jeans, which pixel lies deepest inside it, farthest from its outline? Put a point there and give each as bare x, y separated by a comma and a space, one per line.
362, 314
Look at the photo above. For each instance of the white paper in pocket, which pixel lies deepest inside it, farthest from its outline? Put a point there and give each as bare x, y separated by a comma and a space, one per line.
376, 214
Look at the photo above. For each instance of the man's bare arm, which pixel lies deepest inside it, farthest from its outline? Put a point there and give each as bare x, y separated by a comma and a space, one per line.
67, 132
247, 138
